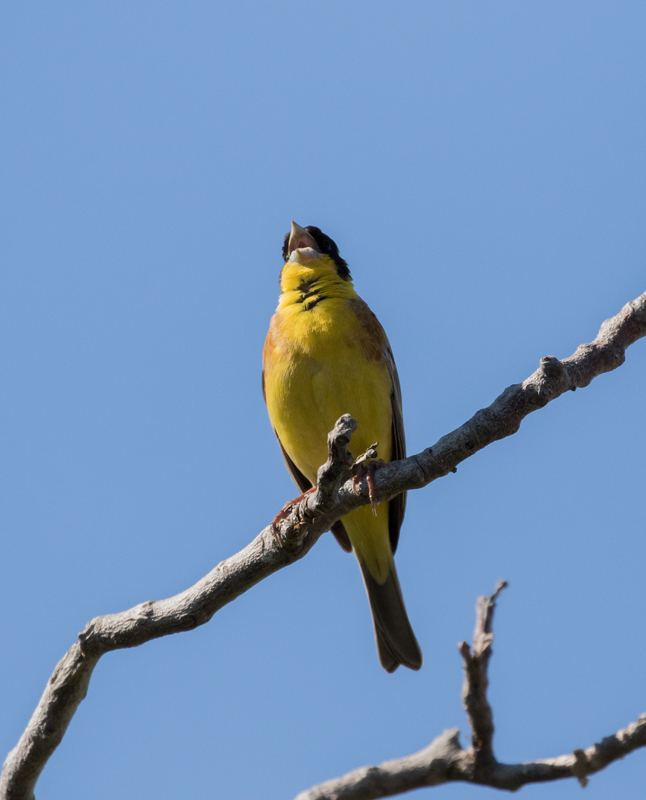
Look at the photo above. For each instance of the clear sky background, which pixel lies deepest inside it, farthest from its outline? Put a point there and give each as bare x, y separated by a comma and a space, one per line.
481, 166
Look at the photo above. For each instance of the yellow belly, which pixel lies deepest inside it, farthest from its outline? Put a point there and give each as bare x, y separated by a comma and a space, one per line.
315, 371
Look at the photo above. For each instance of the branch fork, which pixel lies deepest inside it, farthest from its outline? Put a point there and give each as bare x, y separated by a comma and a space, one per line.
444, 760
320, 500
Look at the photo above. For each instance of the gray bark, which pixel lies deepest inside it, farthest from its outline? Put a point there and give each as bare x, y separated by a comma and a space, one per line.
445, 760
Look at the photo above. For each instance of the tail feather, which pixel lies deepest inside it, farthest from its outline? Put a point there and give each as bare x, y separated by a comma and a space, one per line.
396, 642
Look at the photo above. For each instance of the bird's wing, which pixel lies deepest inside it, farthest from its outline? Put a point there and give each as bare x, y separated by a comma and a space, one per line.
397, 506
375, 343
303, 484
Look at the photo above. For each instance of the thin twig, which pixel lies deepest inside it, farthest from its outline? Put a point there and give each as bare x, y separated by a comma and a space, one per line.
476, 681
446, 761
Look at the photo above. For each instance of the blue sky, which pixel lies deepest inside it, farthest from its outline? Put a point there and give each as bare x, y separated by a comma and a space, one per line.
481, 166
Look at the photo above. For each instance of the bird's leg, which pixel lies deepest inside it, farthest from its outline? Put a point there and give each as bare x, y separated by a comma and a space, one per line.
360, 469
285, 512
371, 467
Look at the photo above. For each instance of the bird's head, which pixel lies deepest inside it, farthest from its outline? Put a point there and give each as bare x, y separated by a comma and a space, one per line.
304, 244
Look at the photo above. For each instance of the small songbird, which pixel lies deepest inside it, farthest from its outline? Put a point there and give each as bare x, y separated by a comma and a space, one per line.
326, 355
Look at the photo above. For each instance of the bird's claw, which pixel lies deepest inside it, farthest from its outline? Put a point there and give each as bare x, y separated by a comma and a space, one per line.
360, 469
285, 512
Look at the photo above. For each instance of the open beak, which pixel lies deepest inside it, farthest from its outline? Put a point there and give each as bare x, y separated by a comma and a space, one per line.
299, 238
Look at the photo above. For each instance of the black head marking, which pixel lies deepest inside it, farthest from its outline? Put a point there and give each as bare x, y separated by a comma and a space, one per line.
326, 246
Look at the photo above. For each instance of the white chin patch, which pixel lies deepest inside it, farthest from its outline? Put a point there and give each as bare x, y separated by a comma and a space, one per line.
304, 254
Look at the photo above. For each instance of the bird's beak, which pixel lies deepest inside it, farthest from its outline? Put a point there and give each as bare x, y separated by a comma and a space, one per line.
298, 238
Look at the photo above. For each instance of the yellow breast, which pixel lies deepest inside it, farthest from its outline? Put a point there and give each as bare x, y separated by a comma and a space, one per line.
324, 357
319, 363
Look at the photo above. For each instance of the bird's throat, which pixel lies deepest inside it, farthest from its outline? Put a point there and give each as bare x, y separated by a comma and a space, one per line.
305, 286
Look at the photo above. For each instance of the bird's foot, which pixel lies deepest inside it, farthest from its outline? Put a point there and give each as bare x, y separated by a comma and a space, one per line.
362, 469
285, 512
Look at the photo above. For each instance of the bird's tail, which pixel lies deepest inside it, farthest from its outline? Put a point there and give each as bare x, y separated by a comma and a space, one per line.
396, 642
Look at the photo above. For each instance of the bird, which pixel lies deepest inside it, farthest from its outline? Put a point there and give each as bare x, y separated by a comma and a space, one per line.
326, 355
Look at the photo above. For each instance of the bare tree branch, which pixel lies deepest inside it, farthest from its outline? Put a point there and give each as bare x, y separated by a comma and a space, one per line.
294, 535
150, 620
476, 681
445, 761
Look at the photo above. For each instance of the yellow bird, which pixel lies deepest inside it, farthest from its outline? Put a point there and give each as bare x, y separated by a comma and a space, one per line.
326, 355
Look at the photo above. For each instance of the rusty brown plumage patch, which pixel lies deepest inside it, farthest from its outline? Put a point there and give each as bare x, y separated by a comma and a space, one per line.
269, 350
275, 336
369, 332
269, 343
